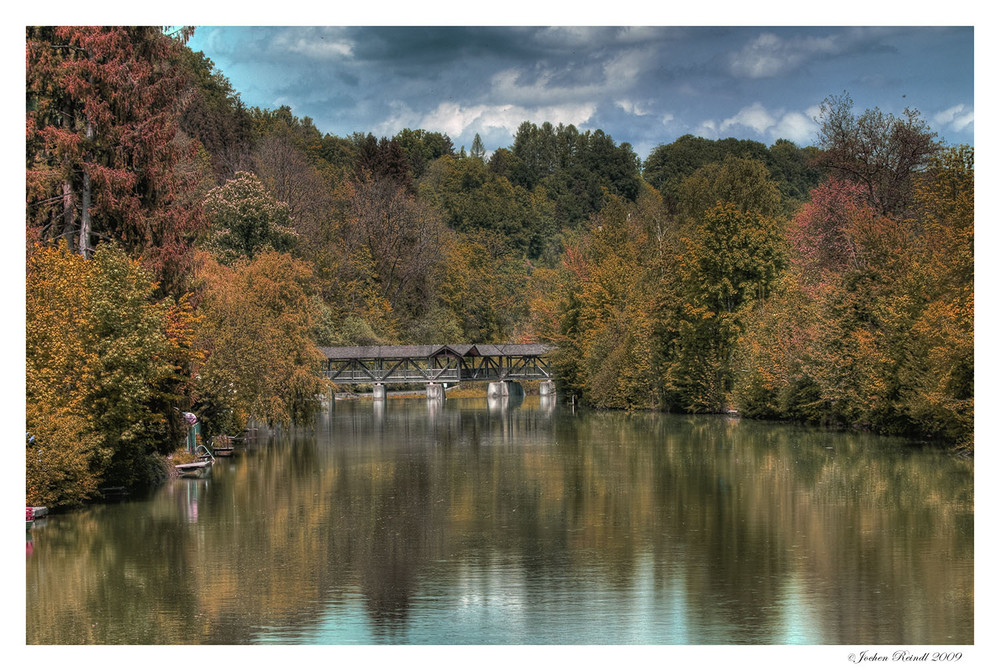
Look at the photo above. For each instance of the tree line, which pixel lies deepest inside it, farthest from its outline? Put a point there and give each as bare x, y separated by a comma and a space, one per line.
185, 252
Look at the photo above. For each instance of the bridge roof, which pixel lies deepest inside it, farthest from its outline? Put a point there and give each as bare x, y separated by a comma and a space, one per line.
424, 351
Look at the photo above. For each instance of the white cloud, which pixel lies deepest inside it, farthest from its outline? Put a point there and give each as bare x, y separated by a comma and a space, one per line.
611, 78
955, 118
624, 69
770, 55
754, 116
796, 127
318, 44
506, 85
707, 129
458, 120
760, 58
631, 107
799, 127
452, 118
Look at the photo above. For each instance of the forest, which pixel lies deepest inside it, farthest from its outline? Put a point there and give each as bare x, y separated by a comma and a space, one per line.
185, 252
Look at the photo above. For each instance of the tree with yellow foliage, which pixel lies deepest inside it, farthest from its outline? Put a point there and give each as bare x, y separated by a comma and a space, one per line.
106, 363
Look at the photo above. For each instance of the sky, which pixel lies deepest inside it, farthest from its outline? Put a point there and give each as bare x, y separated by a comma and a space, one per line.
642, 85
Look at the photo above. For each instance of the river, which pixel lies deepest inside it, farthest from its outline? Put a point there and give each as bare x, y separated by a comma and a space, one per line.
463, 522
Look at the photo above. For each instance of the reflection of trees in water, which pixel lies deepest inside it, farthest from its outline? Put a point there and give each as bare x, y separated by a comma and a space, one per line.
105, 581
734, 514
388, 529
774, 503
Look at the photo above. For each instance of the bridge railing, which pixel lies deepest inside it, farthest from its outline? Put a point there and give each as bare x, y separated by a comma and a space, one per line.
533, 372
402, 376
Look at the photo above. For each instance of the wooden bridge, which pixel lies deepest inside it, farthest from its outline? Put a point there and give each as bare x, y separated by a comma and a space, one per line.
437, 365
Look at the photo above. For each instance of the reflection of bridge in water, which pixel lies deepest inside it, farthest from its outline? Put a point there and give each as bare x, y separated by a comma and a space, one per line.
504, 367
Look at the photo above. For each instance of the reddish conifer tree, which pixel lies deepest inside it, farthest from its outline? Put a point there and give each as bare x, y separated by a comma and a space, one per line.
101, 127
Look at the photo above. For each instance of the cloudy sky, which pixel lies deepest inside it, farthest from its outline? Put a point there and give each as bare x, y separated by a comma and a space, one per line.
642, 85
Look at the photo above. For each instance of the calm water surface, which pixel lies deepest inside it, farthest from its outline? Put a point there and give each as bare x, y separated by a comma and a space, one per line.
417, 522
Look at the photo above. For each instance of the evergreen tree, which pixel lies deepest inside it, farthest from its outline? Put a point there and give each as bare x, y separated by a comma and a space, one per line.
102, 115
478, 151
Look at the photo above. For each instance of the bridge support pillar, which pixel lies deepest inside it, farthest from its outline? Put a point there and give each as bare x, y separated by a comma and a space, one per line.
435, 391
546, 388
378, 392
504, 388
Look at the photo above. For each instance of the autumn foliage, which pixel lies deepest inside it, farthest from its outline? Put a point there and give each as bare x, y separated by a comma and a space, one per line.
260, 361
844, 315
114, 339
186, 253
106, 362
883, 308
101, 138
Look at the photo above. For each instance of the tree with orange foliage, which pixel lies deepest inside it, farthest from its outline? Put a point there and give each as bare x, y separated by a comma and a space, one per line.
261, 362
939, 371
857, 294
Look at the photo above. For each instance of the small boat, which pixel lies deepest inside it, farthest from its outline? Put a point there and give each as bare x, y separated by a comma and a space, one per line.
195, 469
29, 513
199, 468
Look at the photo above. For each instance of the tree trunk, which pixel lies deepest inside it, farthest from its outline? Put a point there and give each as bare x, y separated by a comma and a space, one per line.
85, 218
85, 226
68, 218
